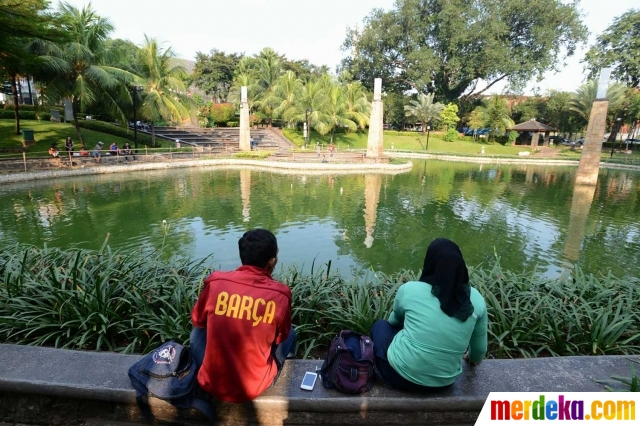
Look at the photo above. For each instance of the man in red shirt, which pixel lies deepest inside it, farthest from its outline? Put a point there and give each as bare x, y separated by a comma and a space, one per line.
242, 320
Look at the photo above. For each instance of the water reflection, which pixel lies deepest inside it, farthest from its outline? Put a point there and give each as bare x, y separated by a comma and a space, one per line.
528, 216
372, 184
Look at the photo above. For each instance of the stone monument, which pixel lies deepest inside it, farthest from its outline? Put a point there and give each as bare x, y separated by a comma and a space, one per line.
374, 143
590, 157
245, 136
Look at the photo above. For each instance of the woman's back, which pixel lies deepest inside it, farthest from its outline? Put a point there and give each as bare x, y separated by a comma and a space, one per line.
429, 348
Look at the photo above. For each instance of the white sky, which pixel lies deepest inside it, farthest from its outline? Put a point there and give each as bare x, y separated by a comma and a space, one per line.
300, 29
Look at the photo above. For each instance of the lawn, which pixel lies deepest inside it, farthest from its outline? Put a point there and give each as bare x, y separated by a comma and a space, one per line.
46, 133
406, 141
465, 146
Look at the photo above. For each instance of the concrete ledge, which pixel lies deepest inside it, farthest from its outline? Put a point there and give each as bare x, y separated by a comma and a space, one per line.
259, 165
49, 384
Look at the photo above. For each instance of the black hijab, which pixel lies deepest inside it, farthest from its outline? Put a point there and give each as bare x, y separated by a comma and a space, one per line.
445, 270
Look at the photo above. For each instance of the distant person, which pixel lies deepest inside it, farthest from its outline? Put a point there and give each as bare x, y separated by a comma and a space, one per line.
53, 150
324, 158
68, 144
126, 150
242, 324
113, 149
252, 142
331, 149
318, 149
434, 320
96, 153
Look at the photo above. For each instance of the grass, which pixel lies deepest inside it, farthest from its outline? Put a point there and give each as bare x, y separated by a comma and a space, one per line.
464, 146
46, 133
131, 302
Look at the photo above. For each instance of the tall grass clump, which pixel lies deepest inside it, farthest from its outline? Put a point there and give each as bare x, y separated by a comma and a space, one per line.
131, 302
99, 300
532, 316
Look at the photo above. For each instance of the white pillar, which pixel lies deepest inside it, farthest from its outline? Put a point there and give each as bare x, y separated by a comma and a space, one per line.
245, 136
374, 143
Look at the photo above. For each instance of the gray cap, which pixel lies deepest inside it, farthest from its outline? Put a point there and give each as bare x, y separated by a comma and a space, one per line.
100, 143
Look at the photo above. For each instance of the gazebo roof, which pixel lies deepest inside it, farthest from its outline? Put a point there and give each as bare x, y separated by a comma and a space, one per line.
532, 126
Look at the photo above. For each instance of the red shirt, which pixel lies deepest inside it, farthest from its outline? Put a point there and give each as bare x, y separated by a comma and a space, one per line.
245, 313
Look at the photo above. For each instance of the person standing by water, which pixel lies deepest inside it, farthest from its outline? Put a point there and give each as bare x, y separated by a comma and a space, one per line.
434, 320
331, 149
68, 144
318, 148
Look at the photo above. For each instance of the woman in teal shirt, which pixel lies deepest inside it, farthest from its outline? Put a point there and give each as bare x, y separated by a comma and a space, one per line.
434, 322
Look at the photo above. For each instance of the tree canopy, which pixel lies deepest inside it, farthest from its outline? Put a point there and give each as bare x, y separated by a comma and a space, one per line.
448, 46
618, 46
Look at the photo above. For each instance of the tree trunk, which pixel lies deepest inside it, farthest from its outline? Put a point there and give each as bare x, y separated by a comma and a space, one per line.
153, 135
16, 107
424, 128
74, 108
332, 132
21, 95
30, 94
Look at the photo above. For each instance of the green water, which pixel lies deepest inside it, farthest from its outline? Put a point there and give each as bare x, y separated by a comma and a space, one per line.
522, 214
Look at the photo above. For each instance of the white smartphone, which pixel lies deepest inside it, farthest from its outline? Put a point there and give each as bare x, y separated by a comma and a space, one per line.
309, 381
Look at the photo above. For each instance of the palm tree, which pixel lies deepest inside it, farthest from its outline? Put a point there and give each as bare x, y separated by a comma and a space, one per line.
164, 91
268, 71
335, 113
289, 91
358, 106
424, 110
586, 94
82, 74
313, 99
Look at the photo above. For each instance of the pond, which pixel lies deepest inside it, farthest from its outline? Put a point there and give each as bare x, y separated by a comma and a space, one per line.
528, 216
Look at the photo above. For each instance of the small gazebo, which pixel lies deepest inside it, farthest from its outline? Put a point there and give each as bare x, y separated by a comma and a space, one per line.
536, 127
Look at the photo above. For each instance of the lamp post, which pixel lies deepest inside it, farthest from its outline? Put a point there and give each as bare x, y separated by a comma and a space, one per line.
613, 144
308, 138
134, 95
428, 131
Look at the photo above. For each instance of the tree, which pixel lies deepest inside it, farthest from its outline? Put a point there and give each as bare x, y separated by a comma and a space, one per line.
214, 72
449, 115
357, 105
394, 104
23, 26
335, 113
164, 93
288, 90
618, 46
121, 53
585, 96
495, 113
424, 110
82, 75
532, 107
559, 114
448, 46
476, 121
268, 71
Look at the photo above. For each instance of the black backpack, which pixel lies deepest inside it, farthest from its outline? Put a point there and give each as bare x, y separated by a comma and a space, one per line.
350, 363
168, 373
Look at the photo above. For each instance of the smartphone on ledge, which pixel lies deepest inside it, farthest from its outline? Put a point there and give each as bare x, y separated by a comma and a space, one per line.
309, 381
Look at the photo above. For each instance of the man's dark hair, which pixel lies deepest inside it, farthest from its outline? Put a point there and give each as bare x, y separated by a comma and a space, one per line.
257, 247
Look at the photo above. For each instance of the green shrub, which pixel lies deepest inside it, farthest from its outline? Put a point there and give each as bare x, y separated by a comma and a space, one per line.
451, 135
256, 155
111, 129
221, 113
23, 107
131, 302
233, 123
513, 135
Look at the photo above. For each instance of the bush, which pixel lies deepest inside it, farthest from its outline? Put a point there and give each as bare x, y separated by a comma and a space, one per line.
221, 113
233, 123
104, 300
254, 155
23, 107
111, 129
513, 135
451, 135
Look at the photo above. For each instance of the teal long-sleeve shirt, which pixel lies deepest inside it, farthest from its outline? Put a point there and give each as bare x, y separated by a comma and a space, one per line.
429, 348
